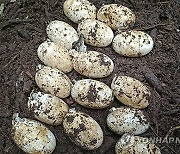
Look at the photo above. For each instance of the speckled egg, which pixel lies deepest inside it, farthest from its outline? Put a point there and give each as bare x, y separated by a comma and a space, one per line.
61, 33
130, 91
55, 56
78, 10
47, 108
116, 16
127, 120
53, 81
83, 130
92, 94
132, 43
92, 64
96, 33
31, 136
129, 144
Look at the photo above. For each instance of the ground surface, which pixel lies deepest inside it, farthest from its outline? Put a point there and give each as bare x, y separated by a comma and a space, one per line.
18, 44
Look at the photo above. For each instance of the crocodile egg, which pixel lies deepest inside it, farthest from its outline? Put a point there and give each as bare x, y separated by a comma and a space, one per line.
96, 33
78, 10
83, 130
53, 81
127, 120
116, 16
92, 94
47, 108
61, 33
132, 43
130, 91
31, 136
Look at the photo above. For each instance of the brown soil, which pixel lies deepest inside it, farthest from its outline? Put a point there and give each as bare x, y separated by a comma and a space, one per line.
19, 39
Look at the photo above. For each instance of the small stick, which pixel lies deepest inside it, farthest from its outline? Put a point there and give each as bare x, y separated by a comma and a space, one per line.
150, 27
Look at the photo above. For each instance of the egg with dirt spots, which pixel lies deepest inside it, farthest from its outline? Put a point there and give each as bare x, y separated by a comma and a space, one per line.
92, 64
61, 33
96, 33
116, 16
137, 145
78, 10
55, 56
83, 130
31, 136
127, 120
47, 108
132, 43
92, 94
130, 91
53, 81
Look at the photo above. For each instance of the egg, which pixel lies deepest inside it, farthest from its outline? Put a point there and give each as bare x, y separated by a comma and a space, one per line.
137, 145
83, 130
96, 33
61, 33
55, 56
78, 10
92, 94
130, 91
92, 64
31, 136
132, 43
127, 120
116, 16
47, 108
53, 81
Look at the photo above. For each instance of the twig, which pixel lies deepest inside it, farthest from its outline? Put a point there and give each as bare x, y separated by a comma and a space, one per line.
172, 130
170, 112
150, 27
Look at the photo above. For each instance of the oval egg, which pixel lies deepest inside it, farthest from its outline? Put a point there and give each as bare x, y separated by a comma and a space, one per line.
78, 10
61, 33
55, 56
83, 130
95, 33
127, 120
47, 108
116, 16
92, 94
53, 81
31, 136
92, 64
130, 91
137, 145
132, 43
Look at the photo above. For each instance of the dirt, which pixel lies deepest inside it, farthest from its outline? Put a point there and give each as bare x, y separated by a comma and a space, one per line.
22, 29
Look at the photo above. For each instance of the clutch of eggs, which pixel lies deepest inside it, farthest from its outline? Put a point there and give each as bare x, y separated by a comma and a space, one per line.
128, 144
53, 81
78, 10
31, 136
47, 108
116, 16
132, 43
83, 130
130, 91
127, 120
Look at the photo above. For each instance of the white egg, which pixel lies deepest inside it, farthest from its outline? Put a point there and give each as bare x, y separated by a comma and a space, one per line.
92, 94
96, 33
78, 10
61, 33
31, 136
53, 81
55, 56
132, 43
83, 130
129, 144
47, 108
92, 64
130, 91
127, 120
116, 16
